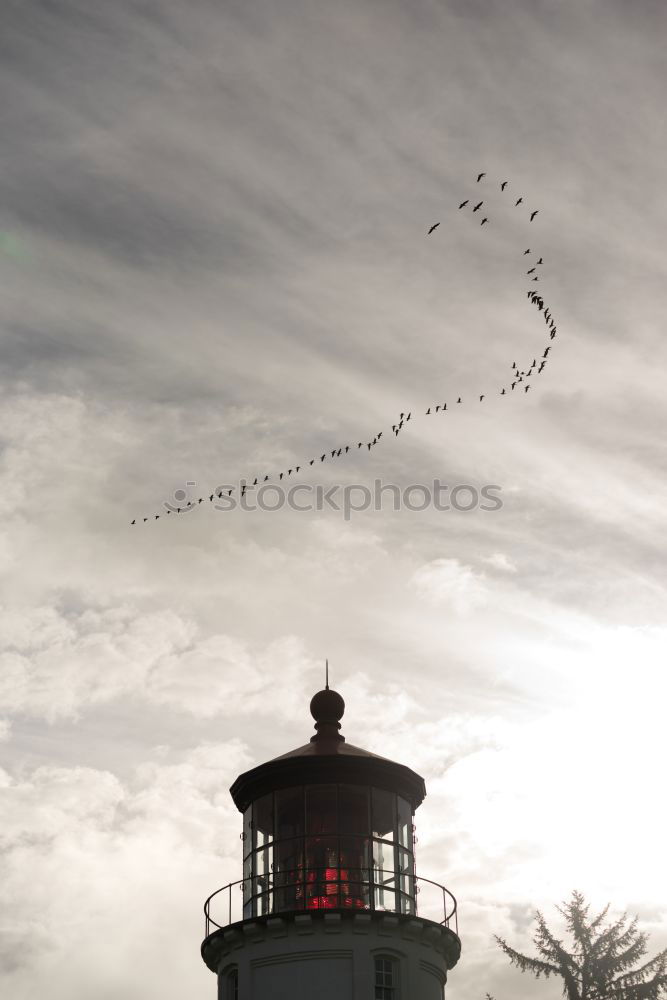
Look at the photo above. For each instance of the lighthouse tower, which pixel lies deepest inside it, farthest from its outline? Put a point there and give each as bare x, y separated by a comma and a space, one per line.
330, 906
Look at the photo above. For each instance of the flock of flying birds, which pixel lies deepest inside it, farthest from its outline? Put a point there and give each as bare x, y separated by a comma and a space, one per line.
479, 204
517, 381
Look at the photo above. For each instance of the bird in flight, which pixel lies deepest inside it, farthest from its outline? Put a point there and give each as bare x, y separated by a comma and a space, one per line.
458, 400
483, 221
536, 278
533, 214
479, 177
518, 202
133, 522
502, 393
526, 388
464, 203
481, 398
428, 412
540, 261
478, 205
434, 226
503, 185
526, 251
531, 270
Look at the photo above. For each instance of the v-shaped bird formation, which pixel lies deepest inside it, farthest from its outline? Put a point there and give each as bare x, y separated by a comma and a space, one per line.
515, 383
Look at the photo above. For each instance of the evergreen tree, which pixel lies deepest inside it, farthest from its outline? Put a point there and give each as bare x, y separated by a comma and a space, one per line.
601, 961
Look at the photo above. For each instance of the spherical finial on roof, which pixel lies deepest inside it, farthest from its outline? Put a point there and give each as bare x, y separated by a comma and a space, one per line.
327, 708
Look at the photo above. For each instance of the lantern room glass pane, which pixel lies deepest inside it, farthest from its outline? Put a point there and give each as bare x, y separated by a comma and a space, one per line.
322, 873
406, 881
353, 811
404, 811
355, 858
355, 895
288, 854
384, 898
383, 814
289, 813
384, 876
288, 851
321, 853
321, 809
248, 886
247, 831
405, 861
261, 883
263, 820
263, 904
406, 894
383, 861
355, 873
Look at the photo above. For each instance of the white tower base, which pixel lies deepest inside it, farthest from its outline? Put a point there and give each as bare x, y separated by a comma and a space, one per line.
331, 956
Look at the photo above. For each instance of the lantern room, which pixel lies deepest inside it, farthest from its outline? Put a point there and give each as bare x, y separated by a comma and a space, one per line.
328, 826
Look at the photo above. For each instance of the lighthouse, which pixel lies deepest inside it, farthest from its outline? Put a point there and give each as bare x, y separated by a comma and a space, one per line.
330, 905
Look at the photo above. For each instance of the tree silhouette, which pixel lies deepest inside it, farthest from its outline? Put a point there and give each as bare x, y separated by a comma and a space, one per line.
600, 964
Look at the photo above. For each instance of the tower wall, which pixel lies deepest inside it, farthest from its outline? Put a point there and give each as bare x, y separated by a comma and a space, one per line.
330, 956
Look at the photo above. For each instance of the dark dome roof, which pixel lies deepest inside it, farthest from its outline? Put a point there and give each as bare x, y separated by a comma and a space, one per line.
327, 759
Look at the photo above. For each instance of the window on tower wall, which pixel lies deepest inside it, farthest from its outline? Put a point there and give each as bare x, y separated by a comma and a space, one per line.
232, 991
386, 979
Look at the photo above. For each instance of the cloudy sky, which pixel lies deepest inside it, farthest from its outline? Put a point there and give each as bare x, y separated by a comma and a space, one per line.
214, 258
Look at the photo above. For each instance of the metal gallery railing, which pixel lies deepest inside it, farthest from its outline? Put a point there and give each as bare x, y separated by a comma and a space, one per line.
324, 888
